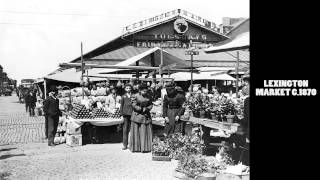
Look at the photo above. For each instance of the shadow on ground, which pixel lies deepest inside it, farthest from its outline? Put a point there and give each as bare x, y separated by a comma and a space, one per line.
10, 155
7, 149
4, 175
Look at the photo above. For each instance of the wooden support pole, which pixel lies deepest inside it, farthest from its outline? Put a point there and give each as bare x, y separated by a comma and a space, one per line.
82, 68
160, 67
45, 88
153, 64
137, 71
237, 75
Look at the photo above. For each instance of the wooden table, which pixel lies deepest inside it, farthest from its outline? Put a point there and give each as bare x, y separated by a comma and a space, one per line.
215, 124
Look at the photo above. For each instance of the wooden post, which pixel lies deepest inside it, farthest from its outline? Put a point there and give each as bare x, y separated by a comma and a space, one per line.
237, 76
153, 64
161, 64
191, 85
137, 71
82, 68
45, 88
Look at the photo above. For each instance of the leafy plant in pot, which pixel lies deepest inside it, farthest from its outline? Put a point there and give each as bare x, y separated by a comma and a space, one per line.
229, 111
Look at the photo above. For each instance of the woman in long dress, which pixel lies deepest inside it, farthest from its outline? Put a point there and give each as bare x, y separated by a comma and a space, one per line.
141, 122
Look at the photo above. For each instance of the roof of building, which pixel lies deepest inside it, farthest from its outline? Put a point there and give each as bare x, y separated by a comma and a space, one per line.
120, 41
130, 51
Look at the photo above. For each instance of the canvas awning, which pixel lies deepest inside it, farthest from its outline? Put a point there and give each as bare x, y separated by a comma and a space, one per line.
183, 76
242, 41
145, 60
72, 75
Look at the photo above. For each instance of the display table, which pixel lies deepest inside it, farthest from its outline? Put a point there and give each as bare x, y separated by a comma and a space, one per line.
215, 124
107, 121
96, 121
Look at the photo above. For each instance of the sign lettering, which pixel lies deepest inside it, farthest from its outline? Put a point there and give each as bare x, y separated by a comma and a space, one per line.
168, 15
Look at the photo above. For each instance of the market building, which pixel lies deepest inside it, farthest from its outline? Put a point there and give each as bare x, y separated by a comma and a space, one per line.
175, 31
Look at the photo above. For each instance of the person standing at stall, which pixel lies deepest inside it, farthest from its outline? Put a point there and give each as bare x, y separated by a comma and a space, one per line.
173, 110
26, 100
141, 122
32, 103
112, 101
126, 112
53, 112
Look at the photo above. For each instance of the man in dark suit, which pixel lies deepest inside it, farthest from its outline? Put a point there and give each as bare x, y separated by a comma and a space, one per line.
45, 111
53, 112
32, 103
126, 111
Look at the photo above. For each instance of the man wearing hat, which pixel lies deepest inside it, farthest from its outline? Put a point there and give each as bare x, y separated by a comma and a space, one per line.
173, 110
52, 111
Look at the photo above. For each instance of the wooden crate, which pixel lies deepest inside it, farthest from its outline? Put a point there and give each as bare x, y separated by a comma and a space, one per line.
74, 140
160, 158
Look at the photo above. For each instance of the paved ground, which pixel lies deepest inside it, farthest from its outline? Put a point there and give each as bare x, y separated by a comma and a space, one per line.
15, 124
25, 155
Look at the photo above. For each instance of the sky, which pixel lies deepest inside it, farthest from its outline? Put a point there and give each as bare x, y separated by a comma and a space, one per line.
37, 35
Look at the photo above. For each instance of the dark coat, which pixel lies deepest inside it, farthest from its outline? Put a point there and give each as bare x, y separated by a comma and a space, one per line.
173, 103
32, 99
126, 106
141, 109
51, 107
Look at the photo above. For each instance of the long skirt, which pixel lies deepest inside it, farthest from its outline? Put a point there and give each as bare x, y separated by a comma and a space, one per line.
140, 137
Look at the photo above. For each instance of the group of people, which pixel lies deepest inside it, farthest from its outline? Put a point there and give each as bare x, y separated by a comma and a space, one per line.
135, 109
134, 103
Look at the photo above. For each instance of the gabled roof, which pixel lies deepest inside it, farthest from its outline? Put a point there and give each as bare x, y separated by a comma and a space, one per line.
120, 41
130, 51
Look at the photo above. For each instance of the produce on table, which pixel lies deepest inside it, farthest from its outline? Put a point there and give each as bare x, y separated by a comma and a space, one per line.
79, 111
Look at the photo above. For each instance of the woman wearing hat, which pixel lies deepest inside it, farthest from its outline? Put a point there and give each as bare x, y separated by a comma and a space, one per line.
141, 122
173, 110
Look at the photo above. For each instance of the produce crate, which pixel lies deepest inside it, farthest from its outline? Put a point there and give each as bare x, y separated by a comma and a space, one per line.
72, 130
74, 140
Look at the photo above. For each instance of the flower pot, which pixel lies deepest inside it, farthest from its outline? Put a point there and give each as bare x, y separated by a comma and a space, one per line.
202, 114
213, 116
160, 158
230, 118
196, 114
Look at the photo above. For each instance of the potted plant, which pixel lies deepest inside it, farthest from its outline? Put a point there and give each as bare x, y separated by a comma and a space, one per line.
180, 146
192, 166
160, 150
229, 110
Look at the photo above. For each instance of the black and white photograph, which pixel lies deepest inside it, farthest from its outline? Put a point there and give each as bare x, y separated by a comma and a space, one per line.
127, 90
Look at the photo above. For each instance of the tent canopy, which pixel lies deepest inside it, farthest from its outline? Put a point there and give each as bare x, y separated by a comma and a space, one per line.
72, 75
183, 76
242, 41
145, 60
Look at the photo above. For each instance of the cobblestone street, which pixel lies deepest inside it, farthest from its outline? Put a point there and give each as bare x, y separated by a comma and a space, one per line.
24, 153
15, 124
